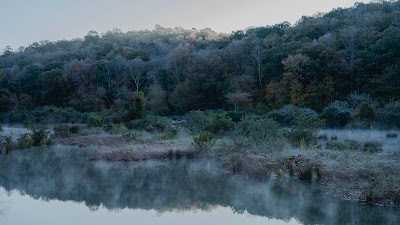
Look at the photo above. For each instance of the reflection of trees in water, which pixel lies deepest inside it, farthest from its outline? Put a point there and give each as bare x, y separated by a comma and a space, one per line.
173, 185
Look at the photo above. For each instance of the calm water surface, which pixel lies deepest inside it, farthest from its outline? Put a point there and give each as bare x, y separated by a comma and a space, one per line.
60, 186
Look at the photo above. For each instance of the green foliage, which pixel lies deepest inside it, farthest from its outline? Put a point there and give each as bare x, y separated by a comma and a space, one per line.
46, 114
372, 147
94, 120
304, 131
204, 141
131, 136
365, 112
40, 137
6, 101
118, 129
336, 115
25, 141
139, 105
288, 114
196, 121
219, 123
211, 121
235, 116
155, 124
263, 133
6, 144
389, 115
64, 130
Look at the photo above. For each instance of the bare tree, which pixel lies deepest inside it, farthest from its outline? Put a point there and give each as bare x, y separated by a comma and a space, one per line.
240, 100
295, 64
348, 38
137, 70
257, 57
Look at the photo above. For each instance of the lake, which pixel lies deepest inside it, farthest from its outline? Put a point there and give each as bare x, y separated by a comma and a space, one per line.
58, 185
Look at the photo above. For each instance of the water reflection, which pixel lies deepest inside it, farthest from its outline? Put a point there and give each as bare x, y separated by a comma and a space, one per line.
174, 186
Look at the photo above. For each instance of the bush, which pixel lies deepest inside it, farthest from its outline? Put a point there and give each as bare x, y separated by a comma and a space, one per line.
118, 129
153, 124
287, 115
211, 121
94, 120
389, 116
262, 132
372, 147
39, 137
170, 132
64, 130
219, 123
204, 141
46, 114
25, 141
365, 112
6, 144
336, 115
196, 121
304, 131
235, 116
131, 136
391, 135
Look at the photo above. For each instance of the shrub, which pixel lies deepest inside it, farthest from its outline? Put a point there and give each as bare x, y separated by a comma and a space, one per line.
365, 112
304, 131
39, 137
131, 136
46, 114
204, 141
6, 144
219, 123
287, 115
94, 120
372, 147
391, 135
389, 115
62, 130
74, 129
153, 123
337, 114
235, 116
211, 121
118, 129
25, 141
196, 121
169, 132
263, 132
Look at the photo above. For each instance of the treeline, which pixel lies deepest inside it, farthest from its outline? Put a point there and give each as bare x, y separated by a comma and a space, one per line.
313, 64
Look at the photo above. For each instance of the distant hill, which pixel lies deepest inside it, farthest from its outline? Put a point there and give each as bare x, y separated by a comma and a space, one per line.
312, 63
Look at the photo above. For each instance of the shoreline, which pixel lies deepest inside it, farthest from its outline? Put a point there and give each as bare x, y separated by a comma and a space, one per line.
355, 176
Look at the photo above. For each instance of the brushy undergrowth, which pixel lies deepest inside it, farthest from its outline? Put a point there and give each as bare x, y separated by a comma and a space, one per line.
64, 130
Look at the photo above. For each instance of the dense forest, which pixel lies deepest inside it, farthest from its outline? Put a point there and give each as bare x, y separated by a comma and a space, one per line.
328, 63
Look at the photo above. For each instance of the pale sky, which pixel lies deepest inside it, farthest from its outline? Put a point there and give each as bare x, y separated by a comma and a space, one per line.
23, 22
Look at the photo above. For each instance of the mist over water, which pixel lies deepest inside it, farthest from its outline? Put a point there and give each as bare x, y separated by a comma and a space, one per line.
62, 182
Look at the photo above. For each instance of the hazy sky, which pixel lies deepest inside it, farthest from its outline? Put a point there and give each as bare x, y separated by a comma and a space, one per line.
25, 21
